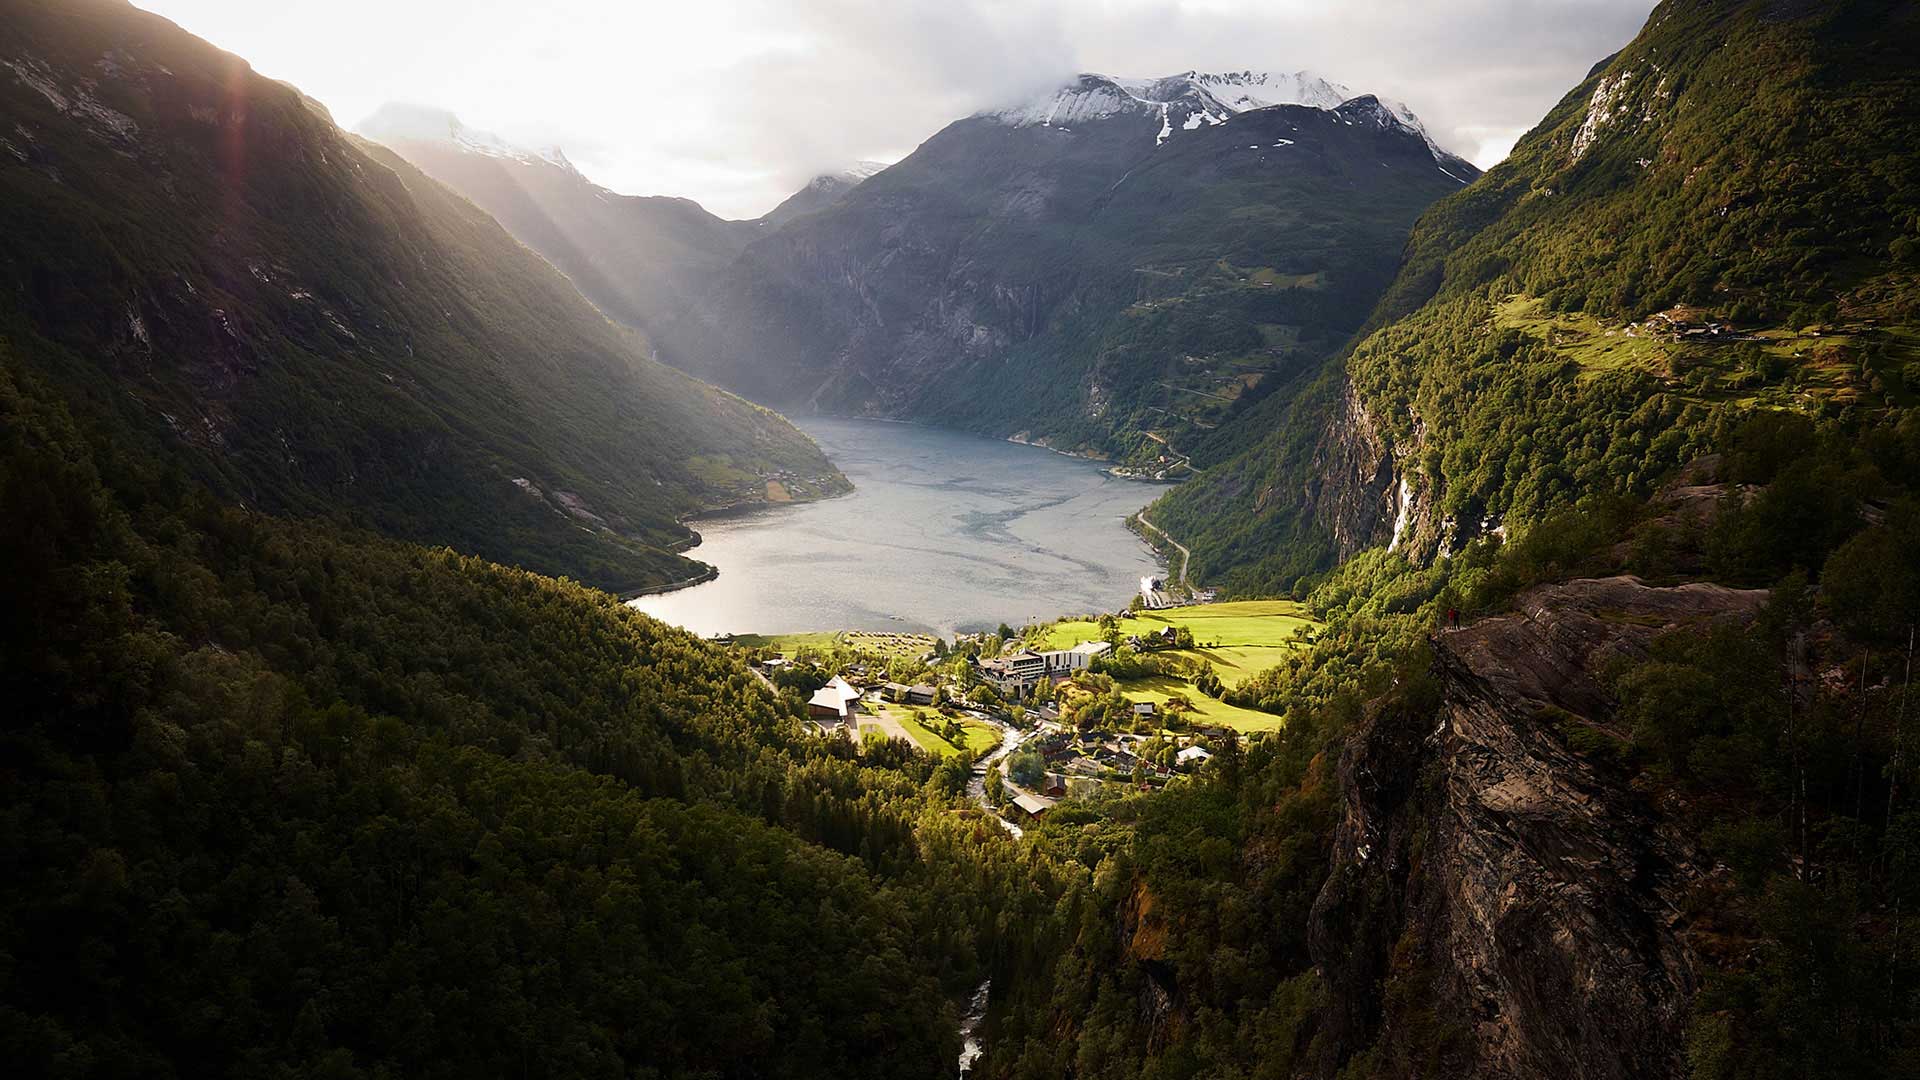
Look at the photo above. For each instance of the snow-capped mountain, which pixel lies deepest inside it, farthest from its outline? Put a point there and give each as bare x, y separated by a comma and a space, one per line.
397, 122
1243, 90
1193, 99
821, 191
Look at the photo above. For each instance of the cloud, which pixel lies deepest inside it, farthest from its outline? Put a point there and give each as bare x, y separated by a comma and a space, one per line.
737, 102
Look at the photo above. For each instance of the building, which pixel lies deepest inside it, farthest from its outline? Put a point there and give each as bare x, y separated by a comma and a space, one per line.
1013, 675
1064, 662
920, 694
1033, 806
897, 692
833, 704
1143, 708
1026, 664
1192, 755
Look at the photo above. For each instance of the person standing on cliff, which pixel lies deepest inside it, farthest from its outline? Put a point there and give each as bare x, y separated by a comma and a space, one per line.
1453, 618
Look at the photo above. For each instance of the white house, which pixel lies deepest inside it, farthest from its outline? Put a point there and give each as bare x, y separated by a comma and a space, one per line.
1193, 755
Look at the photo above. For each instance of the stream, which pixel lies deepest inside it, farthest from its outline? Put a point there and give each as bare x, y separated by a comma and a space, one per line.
971, 1046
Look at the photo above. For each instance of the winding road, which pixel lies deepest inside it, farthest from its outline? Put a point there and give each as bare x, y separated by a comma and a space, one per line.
1185, 555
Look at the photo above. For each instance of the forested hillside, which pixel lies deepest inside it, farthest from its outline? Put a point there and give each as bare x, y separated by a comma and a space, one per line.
1722, 217
197, 255
1605, 769
293, 798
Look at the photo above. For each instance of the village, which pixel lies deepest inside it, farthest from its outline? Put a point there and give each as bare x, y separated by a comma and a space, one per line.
1073, 709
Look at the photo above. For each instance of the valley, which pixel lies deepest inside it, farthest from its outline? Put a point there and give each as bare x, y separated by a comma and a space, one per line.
1179, 577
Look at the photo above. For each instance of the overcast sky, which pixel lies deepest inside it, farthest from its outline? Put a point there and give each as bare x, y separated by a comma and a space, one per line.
737, 102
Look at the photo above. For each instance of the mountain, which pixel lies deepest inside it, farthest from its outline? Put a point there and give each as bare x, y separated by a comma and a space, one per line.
639, 258
1719, 218
821, 191
201, 261
1113, 258
355, 807
1601, 764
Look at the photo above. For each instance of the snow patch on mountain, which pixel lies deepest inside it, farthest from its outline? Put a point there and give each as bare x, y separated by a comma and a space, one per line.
1243, 90
398, 122
1193, 99
848, 178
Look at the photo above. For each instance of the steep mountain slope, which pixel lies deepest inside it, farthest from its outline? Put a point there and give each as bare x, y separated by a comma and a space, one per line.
1115, 257
638, 258
289, 798
821, 192
313, 327
1723, 216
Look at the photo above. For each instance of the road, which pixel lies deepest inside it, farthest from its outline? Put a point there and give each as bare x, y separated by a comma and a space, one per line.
1185, 555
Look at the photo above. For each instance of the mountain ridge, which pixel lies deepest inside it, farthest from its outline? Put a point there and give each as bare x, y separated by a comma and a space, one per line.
315, 327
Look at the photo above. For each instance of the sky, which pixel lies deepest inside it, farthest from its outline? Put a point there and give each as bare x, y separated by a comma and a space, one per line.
736, 103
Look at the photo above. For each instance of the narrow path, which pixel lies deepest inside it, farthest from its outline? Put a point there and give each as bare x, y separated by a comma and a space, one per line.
1185, 555
886, 722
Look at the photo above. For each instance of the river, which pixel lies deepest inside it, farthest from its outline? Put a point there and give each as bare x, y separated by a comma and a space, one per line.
944, 533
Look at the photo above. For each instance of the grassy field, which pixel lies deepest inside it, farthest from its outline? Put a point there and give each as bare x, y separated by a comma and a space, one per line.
928, 741
788, 643
1205, 710
864, 641
980, 737
1807, 365
1240, 639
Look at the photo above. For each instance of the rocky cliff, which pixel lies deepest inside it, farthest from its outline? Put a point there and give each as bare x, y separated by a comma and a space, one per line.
1500, 904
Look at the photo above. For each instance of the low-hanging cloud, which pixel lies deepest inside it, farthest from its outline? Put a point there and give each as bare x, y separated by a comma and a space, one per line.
738, 102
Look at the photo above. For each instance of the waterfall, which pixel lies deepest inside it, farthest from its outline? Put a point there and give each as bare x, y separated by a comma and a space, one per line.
1406, 508
970, 1045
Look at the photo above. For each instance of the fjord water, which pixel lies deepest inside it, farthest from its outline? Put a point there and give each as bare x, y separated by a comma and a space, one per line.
944, 533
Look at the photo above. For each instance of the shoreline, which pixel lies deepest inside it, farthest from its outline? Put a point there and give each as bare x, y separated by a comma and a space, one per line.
748, 509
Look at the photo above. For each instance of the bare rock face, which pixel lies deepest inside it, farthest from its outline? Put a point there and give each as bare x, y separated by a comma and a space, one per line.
1498, 903
1351, 489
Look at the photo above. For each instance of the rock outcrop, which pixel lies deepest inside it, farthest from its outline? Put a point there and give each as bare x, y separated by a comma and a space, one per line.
1499, 903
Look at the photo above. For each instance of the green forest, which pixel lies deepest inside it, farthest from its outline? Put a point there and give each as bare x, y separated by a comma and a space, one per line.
313, 764
1760, 179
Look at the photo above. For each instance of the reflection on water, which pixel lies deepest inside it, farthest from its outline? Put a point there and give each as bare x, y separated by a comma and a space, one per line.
944, 533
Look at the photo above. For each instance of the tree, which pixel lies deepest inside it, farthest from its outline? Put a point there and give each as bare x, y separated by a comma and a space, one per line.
1208, 683
1027, 768
996, 788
